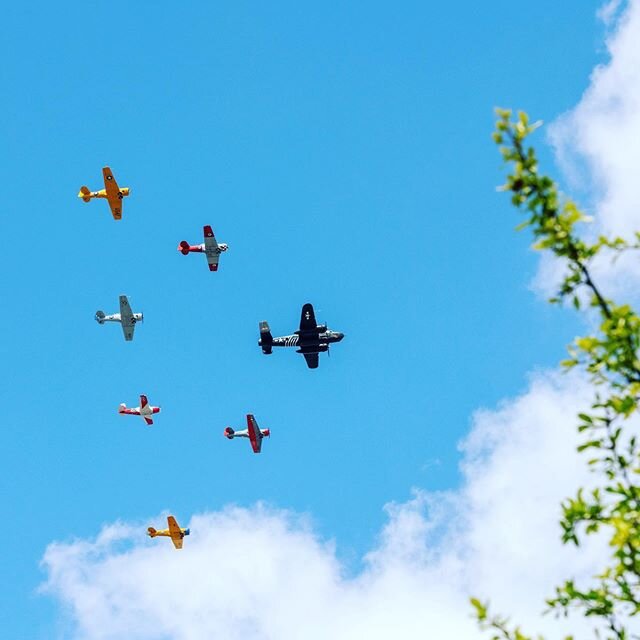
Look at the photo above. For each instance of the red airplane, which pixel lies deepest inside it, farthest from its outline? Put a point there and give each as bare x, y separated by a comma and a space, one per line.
253, 432
210, 248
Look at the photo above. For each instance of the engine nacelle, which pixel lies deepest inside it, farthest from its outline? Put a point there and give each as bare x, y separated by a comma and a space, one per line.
266, 432
137, 317
124, 191
266, 339
229, 433
223, 246
321, 328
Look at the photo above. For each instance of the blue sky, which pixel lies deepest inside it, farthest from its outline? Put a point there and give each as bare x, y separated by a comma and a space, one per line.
344, 154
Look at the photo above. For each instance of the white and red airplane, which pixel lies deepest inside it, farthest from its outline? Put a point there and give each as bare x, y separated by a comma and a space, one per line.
145, 410
210, 248
253, 432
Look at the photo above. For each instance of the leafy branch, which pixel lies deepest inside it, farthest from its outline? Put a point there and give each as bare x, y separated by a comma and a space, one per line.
610, 356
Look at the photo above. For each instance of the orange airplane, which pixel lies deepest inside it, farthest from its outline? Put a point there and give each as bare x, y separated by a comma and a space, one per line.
174, 532
111, 192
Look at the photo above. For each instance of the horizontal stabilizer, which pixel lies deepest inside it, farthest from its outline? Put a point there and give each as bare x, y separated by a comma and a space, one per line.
100, 316
85, 194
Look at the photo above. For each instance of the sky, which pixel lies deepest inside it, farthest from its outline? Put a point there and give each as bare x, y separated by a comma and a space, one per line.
344, 154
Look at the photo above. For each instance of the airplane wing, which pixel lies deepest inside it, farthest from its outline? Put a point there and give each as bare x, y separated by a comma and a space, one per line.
143, 402
312, 360
255, 437
114, 197
308, 319
148, 420
211, 248
176, 533
126, 318
127, 329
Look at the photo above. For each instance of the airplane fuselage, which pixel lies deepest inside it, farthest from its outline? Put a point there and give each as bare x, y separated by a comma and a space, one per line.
116, 317
167, 534
314, 342
186, 248
145, 411
102, 193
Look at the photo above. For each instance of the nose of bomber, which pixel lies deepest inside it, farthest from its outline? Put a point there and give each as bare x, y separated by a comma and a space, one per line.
339, 336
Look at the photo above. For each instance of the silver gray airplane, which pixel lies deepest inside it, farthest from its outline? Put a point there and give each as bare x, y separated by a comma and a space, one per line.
126, 318
311, 339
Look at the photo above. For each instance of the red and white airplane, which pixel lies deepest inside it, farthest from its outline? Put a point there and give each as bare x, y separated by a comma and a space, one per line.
145, 410
253, 432
210, 248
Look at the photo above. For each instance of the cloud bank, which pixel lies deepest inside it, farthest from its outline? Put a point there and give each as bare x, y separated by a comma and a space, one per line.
262, 573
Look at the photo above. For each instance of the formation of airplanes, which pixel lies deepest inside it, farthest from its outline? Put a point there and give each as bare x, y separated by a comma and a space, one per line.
310, 338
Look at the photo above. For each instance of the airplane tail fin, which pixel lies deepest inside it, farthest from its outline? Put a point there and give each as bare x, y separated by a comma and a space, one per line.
151, 532
85, 194
122, 408
183, 247
229, 433
100, 316
266, 339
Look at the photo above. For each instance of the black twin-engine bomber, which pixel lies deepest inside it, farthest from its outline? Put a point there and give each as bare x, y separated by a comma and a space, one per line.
311, 339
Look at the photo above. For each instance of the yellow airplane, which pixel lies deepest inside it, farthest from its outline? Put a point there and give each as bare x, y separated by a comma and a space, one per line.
174, 532
111, 192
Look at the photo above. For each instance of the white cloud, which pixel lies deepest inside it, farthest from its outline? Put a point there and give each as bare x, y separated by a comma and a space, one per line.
262, 573
599, 140
609, 10
597, 145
